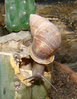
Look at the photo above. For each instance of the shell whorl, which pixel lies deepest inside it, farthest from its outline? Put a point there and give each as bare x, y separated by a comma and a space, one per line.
34, 24
46, 39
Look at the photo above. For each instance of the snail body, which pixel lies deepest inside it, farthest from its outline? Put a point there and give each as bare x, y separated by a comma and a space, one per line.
46, 39
37, 73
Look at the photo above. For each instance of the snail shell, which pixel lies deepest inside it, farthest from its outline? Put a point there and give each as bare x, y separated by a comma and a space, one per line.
46, 39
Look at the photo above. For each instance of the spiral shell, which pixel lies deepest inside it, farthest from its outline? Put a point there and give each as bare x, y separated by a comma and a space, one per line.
46, 39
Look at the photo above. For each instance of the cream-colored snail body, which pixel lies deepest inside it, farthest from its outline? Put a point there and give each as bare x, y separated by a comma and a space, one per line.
46, 39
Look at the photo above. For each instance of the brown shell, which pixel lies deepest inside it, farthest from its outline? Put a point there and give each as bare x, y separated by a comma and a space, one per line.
46, 39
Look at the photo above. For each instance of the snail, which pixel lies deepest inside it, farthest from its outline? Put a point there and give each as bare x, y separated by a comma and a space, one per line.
46, 39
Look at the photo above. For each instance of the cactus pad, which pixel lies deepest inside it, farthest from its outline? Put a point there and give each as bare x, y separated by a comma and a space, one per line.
17, 14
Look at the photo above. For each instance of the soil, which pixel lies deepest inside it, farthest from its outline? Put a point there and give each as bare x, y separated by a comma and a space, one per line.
67, 89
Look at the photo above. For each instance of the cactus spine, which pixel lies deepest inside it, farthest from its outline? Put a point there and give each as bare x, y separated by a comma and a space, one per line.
17, 14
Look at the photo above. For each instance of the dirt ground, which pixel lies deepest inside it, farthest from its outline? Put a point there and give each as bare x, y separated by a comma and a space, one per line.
67, 89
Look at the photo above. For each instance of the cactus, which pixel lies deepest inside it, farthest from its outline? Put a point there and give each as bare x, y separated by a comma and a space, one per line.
17, 14
12, 88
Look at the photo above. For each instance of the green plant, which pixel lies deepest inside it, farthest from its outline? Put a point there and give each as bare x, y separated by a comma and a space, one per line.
17, 14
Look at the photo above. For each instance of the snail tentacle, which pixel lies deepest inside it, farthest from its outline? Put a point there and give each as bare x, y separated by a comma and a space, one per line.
32, 77
48, 82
